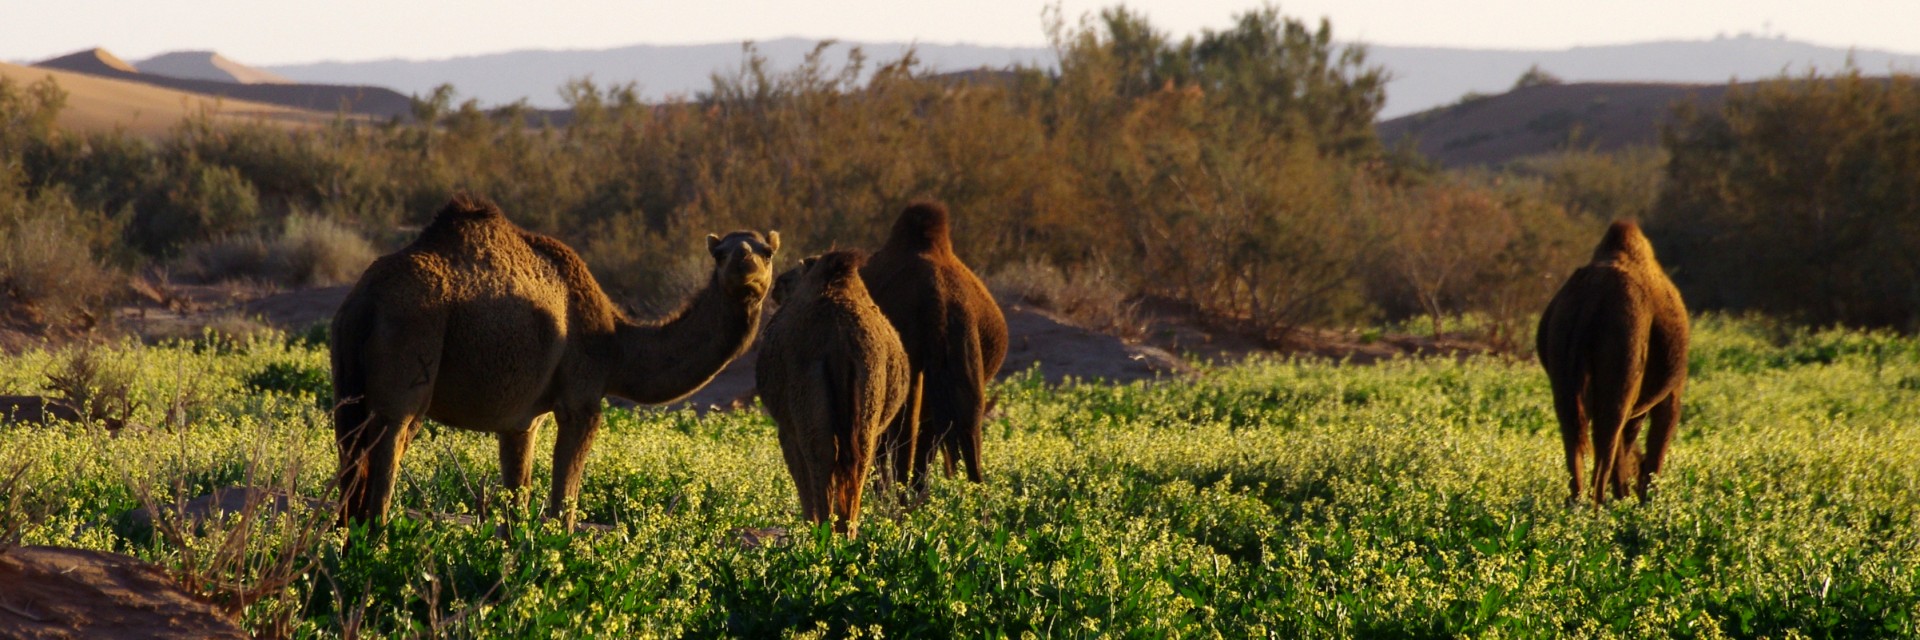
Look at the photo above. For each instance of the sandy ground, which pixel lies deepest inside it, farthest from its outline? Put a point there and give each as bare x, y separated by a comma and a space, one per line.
102, 104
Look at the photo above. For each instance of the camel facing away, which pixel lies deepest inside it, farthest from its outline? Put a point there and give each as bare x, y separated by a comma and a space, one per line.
1614, 344
484, 326
955, 337
833, 375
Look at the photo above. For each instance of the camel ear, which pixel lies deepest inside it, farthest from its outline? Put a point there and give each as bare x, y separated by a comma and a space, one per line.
773, 242
713, 242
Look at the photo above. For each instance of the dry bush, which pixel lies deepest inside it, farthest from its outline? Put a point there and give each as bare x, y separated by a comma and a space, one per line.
1091, 298
245, 561
1497, 247
650, 275
101, 390
316, 251
241, 257
50, 271
308, 251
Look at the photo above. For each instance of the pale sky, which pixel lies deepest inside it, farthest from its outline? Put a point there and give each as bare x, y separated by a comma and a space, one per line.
265, 32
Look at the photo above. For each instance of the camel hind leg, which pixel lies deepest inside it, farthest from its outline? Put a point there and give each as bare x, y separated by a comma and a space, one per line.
899, 443
1664, 419
966, 438
1573, 437
1626, 459
398, 390
845, 482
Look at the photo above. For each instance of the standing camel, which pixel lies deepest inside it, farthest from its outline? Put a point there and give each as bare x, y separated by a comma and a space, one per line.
484, 326
955, 338
833, 375
1614, 344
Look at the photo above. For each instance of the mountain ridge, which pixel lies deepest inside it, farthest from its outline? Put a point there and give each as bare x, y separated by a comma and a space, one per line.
1423, 77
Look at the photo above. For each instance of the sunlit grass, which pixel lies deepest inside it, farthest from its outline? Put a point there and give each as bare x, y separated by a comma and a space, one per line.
1276, 498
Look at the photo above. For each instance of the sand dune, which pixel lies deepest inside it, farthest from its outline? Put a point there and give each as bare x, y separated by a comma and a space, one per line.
101, 104
377, 101
206, 65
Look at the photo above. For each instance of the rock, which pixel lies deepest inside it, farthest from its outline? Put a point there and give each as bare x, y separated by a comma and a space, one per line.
51, 592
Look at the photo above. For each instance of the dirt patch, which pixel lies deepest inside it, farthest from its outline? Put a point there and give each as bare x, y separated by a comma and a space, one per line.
1173, 333
1035, 338
51, 592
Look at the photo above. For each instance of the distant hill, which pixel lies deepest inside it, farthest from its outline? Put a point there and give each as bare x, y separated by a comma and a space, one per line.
96, 103
206, 65
659, 71
1600, 116
1423, 77
1427, 77
361, 99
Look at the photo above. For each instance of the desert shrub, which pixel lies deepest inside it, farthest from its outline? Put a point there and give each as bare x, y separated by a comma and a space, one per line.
1091, 297
50, 272
317, 251
308, 251
100, 388
1797, 198
1620, 185
208, 201
238, 257
1489, 245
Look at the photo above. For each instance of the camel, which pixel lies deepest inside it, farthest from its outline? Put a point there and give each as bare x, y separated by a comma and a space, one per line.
1614, 344
955, 336
833, 376
483, 326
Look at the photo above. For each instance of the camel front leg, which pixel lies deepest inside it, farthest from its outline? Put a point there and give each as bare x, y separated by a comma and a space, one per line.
574, 439
516, 461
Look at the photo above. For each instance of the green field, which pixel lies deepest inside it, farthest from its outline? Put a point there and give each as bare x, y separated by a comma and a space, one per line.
1415, 498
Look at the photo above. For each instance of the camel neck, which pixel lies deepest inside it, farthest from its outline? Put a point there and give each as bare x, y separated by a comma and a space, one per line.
666, 361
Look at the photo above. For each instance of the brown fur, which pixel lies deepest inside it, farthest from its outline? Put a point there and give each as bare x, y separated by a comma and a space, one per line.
833, 375
1614, 344
484, 326
955, 336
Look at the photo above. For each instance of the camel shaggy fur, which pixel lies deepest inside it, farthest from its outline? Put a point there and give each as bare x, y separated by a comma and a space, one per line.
481, 325
833, 375
1614, 344
955, 337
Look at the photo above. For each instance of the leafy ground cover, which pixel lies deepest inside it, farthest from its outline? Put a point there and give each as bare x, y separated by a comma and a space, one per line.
1279, 498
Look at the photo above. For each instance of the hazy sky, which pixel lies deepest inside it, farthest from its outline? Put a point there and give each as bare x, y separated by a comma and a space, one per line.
280, 31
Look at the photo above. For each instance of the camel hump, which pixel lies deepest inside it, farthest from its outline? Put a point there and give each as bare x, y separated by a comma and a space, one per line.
465, 206
923, 226
1624, 242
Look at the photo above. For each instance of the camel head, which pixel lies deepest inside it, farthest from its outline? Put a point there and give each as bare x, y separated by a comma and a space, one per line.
818, 272
743, 263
